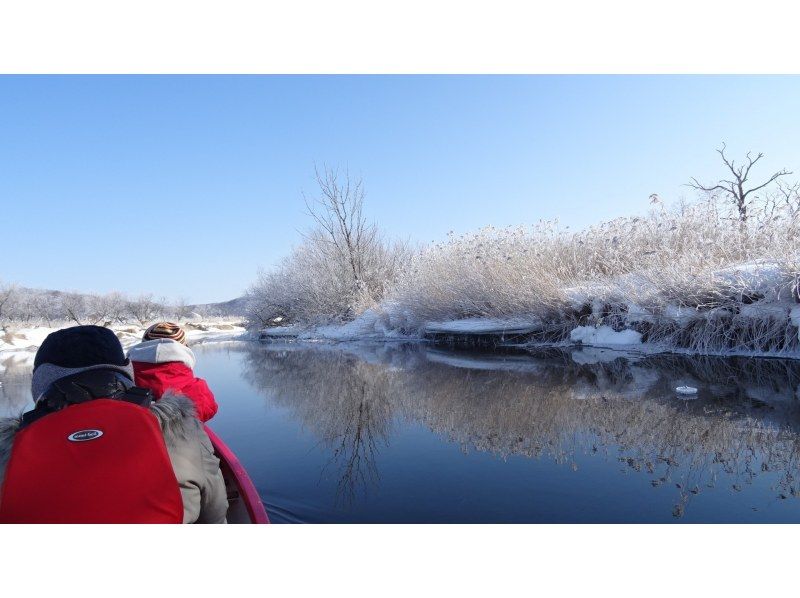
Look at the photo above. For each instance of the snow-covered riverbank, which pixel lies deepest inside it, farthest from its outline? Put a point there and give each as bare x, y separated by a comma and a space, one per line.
754, 311
694, 278
494, 334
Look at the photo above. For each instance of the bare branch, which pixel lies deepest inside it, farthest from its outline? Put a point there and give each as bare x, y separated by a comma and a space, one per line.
774, 177
734, 189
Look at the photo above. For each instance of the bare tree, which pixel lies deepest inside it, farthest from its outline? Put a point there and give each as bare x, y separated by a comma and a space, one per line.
97, 308
144, 309
735, 189
7, 292
343, 267
19, 307
116, 307
106, 309
344, 250
260, 310
339, 214
45, 307
181, 309
73, 307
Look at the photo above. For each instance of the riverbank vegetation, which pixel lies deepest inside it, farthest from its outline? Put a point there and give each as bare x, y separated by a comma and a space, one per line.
715, 275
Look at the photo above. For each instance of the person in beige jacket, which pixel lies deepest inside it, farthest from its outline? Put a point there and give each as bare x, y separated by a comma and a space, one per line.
193, 461
82, 380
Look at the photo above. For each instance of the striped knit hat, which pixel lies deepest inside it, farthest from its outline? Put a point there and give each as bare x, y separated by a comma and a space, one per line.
165, 330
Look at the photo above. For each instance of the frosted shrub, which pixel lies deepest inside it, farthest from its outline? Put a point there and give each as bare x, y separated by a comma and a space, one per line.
315, 285
343, 267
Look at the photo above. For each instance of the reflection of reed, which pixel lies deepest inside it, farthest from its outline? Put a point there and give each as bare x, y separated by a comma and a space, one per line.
551, 406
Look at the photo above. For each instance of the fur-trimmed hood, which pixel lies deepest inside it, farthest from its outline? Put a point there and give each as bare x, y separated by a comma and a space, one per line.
175, 414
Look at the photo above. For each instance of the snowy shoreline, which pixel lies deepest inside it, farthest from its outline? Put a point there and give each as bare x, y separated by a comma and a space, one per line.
751, 309
499, 334
22, 343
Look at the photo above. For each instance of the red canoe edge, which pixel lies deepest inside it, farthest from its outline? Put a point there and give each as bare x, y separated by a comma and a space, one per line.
252, 500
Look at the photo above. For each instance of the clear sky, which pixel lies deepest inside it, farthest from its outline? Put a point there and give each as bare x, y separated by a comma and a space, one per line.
184, 186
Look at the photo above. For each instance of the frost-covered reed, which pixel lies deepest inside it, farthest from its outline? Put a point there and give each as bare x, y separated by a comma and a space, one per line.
690, 277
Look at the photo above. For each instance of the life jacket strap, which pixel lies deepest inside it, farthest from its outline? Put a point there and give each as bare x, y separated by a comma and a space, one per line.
87, 386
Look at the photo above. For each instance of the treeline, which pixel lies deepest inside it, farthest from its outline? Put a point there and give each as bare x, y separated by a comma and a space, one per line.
29, 306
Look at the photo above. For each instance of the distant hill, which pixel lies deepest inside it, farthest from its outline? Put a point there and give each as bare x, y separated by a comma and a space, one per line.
234, 307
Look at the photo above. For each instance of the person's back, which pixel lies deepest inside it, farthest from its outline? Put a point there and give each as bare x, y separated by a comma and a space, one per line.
96, 450
163, 362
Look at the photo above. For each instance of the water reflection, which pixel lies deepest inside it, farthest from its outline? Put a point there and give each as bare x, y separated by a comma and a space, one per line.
15, 382
556, 405
615, 438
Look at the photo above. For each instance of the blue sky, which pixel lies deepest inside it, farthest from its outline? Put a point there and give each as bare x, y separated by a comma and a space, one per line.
184, 186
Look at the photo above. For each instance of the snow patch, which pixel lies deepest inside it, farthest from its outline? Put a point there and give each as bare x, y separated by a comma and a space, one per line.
604, 336
760, 276
679, 313
518, 325
761, 309
794, 316
686, 390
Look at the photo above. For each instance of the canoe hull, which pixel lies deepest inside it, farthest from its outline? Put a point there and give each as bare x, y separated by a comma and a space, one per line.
244, 502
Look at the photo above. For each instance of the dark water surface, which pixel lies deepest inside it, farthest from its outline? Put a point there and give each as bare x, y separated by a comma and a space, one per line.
412, 434
400, 433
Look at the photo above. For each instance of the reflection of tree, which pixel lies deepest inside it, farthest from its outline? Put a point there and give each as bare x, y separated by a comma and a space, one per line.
341, 399
549, 406
354, 450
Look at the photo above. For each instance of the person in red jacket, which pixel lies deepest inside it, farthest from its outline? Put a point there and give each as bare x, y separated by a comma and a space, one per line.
163, 362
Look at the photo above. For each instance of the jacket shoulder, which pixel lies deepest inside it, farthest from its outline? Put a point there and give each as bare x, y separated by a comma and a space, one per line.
198, 391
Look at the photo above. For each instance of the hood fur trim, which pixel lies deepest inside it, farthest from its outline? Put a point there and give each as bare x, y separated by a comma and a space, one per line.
177, 416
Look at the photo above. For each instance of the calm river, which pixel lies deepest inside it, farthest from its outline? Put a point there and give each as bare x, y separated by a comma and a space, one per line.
409, 433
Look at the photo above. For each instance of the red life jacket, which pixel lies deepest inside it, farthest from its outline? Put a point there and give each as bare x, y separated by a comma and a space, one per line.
103, 461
